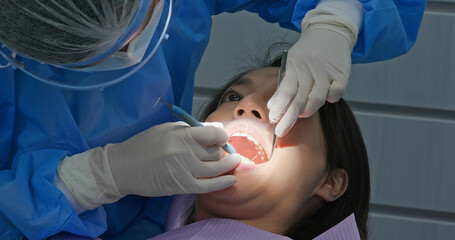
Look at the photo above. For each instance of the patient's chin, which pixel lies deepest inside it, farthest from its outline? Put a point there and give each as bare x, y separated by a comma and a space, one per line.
251, 182
227, 205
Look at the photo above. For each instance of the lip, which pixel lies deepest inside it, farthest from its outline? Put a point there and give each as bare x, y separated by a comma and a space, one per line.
247, 167
262, 132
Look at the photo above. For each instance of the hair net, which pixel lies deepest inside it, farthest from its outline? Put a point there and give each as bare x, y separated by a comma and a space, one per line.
63, 31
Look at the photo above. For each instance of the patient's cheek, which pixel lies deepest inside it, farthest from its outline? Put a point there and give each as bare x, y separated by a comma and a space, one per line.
296, 136
305, 132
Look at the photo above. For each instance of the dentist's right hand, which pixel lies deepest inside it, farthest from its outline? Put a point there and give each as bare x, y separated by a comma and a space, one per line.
167, 159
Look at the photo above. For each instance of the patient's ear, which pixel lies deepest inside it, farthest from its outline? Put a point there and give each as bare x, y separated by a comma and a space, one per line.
335, 185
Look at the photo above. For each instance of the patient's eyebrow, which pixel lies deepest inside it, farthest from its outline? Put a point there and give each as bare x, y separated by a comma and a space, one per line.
242, 81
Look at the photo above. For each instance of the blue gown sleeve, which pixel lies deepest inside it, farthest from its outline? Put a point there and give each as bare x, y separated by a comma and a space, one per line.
389, 27
30, 205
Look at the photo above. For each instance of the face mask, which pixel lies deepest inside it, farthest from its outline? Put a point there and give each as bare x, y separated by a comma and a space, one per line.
136, 47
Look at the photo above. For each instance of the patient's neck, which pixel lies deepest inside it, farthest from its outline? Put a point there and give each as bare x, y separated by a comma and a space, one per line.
262, 222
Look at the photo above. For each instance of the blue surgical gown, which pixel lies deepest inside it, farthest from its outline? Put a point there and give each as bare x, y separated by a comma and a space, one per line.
40, 124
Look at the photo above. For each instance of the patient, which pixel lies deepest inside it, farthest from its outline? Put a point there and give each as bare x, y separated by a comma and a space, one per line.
317, 175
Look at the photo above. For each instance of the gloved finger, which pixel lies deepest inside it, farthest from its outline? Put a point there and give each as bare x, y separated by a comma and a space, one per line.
271, 101
199, 150
212, 168
214, 124
209, 153
218, 125
288, 120
209, 135
298, 104
213, 184
337, 89
316, 97
313, 104
284, 94
180, 124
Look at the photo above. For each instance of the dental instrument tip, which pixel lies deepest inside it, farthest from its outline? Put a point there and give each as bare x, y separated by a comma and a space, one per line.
156, 102
162, 100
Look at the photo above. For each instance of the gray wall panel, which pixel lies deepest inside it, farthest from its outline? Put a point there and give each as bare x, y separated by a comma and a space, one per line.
230, 45
425, 77
399, 228
411, 160
440, 1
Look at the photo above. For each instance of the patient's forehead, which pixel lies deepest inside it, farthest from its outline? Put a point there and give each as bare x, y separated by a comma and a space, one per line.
261, 74
262, 79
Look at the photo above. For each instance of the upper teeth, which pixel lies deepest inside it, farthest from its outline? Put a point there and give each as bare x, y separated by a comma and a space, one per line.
248, 136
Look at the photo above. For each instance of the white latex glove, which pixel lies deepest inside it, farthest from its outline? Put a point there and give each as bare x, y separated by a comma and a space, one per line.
171, 158
317, 69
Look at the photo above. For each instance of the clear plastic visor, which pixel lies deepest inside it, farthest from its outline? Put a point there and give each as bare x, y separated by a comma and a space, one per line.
99, 79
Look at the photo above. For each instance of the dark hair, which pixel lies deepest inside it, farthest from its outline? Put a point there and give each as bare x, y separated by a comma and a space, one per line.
345, 149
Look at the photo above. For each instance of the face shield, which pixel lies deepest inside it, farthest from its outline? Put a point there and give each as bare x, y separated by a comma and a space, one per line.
118, 36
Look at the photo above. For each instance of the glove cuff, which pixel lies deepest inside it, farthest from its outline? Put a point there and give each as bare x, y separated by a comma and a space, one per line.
350, 10
88, 177
323, 19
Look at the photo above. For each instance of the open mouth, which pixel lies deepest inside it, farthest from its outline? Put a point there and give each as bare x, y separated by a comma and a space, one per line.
247, 146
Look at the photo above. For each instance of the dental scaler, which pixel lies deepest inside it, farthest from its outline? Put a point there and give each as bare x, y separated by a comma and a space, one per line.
284, 57
184, 116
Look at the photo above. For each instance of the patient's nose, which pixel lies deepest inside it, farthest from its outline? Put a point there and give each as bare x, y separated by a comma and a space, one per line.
252, 106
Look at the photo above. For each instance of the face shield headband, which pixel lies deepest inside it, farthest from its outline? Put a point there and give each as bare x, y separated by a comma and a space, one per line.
104, 59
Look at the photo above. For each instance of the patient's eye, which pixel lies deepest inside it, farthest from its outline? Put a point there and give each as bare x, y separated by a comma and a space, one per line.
231, 96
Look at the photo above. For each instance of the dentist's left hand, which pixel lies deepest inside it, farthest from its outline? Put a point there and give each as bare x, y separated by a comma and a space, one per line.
317, 69
171, 158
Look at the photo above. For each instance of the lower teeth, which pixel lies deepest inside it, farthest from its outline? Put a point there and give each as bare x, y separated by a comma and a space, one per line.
247, 161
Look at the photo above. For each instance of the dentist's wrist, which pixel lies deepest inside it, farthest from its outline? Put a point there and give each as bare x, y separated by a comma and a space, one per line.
321, 19
89, 179
72, 201
350, 10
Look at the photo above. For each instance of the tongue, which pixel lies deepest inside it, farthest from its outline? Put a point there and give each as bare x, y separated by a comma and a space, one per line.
246, 148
